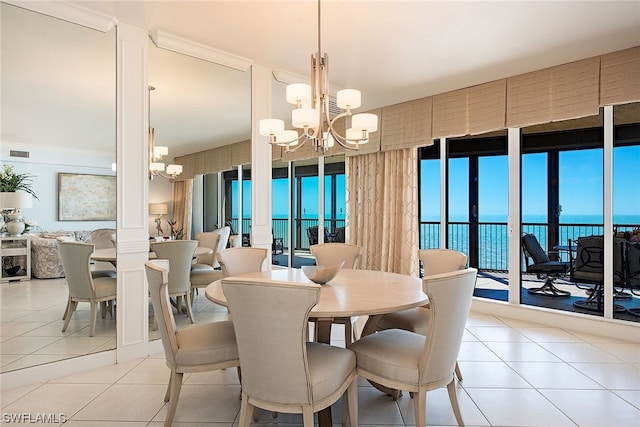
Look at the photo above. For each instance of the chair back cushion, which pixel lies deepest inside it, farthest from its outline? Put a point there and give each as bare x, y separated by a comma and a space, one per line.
271, 323
157, 276
241, 260
438, 261
75, 261
102, 238
329, 254
534, 250
589, 263
225, 233
450, 297
209, 239
179, 253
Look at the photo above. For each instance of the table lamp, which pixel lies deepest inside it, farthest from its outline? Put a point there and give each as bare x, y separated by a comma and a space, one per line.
15, 201
158, 209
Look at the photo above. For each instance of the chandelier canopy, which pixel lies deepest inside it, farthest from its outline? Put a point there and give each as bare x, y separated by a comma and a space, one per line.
157, 152
312, 113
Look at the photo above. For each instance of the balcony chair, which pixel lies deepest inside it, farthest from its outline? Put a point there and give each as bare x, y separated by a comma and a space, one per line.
329, 254
85, 285
538, 262
405, 360
632, 272
196, 348
588, 268
434, 262
281, 370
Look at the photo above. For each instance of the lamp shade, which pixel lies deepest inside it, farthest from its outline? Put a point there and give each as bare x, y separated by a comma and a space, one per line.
158, 208
174, 169
15, 200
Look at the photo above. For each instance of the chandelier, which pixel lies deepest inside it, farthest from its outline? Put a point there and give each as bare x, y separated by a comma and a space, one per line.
312, 113
157, 152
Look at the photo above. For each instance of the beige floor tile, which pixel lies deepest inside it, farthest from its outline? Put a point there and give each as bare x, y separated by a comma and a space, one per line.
518, 407
124, 402
57, 399
104, 375
490, 375
521, 352
579, 352
615, 376
149, 371
206, 403
7, 397
594, 408
73, 345
478, 319
497, 333
627, 352
377, 408
476, 352
631, 396
556, 375
547, 334
26, 345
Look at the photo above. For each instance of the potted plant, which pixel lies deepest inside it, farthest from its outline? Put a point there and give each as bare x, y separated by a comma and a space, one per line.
11, 183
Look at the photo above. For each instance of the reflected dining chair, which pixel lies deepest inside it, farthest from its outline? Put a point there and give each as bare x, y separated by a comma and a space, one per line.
538, 262
405, 360
195, 348
434, 262
84, 285
329, 254
206, 268
281, 370
179, 253
241, 260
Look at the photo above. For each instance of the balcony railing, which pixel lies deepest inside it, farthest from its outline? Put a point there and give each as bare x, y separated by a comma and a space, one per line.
493, 242
280, 229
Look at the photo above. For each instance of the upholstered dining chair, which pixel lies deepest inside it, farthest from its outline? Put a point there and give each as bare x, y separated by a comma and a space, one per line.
328, 254
179, 253
434, 262
84, 285
241, 260
196, 348
102, 238
410, 361
203, 271
281, 370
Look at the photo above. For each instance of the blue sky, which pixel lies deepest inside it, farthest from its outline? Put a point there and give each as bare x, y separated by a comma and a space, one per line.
581, 192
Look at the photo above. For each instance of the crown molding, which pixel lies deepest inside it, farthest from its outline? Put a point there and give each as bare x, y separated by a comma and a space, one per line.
178, 44
69, 12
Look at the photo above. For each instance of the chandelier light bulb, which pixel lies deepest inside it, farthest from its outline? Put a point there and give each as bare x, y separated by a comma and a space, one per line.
298, 94
305, 118
269, 127
348, 99
365, 122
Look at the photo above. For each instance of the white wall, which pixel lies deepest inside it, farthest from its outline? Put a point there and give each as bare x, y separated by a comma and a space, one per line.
160, 191
44, 163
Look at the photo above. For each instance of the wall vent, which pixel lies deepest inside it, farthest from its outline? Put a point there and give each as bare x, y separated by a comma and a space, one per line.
16, 153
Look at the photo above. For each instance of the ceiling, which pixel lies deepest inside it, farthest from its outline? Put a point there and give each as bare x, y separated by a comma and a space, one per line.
392, 50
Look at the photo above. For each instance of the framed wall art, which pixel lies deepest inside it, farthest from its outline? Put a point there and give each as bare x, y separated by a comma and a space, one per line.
84, 197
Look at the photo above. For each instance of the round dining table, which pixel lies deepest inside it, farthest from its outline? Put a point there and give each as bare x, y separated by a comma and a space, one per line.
349, 293
109, 254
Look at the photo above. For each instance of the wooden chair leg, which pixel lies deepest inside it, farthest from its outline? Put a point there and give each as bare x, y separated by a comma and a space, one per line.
189, 311
174, 395
71, 307
458, 373
94, 314
453, 397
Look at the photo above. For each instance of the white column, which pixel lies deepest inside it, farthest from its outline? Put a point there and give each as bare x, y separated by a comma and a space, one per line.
321, 199
443, 192
240, 229
261, 227
513, 222
608, 211
132, 188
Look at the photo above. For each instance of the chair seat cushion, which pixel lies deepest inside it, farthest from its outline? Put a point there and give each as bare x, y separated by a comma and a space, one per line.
202, 278
105, 287
103, 273
413, 319
329, 367
207, 343
201, 267
549, 267
379, 354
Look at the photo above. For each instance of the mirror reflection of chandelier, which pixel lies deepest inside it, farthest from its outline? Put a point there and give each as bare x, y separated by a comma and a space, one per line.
312, 113
157, 152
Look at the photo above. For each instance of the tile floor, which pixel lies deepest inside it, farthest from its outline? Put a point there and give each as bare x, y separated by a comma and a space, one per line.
515, 374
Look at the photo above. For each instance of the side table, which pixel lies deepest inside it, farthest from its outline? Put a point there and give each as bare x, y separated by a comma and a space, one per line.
15, 254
